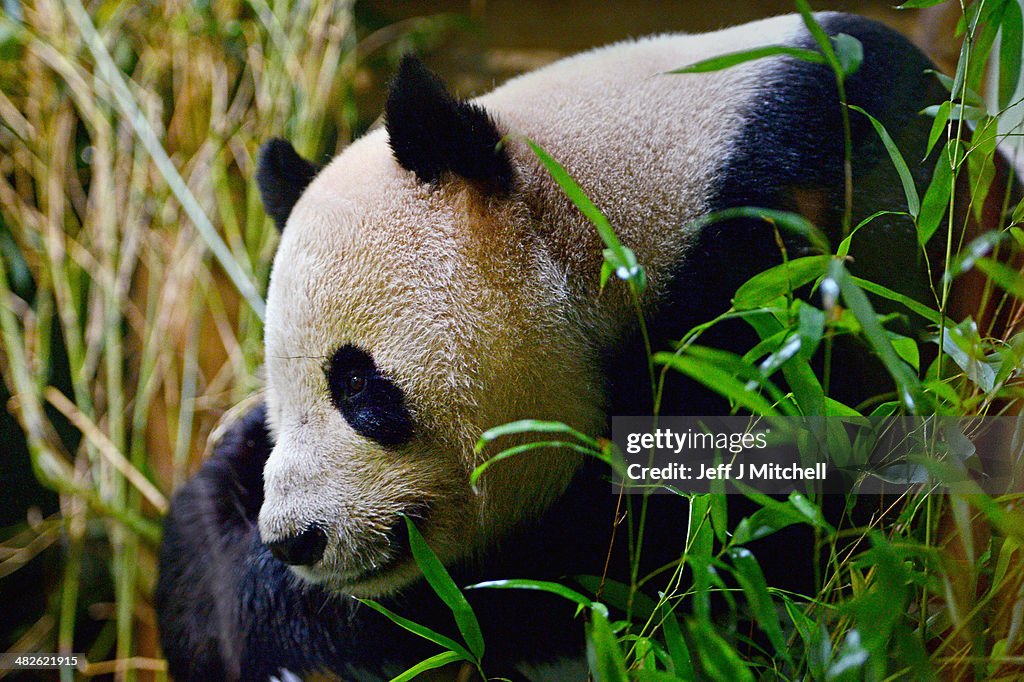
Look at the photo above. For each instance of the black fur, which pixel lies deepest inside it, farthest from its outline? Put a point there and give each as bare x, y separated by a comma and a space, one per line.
431, 132
282, 176
378, 410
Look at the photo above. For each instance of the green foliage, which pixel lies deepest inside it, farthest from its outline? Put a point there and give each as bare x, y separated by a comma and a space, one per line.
891, 603
441, 582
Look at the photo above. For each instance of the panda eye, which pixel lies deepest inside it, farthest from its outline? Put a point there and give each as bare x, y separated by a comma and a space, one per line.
356, 384
372, 404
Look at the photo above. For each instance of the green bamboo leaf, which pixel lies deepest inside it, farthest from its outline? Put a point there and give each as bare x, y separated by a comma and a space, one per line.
718, 514
820, 37
719, 661
649, 675
918, 4
619, 259
808, 629
849, 52
907, 349
936, 199
541, 586
844, 246
619, 595
981, 165
764, 522
906, 381
718, 380
788, 221
734, 365
985, 30
750, 577
765, 346
779, 281
969, 97
1011, 47
438, 661
938, 126
604, 655
976, 249
1006, 277
538, 445
441, 582
959, 87
811, 327
421, 630
958, 111
532, 426
909, 189
910, 304
700, 540
811, 512
733, 58
678, 650
580, 199
1018, 217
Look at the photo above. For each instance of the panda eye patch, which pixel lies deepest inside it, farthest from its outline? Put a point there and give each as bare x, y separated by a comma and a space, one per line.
372, 404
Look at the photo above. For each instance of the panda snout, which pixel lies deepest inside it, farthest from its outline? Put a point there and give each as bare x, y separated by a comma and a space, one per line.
303, 549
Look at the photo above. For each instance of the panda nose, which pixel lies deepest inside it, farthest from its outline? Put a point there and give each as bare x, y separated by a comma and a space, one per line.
304, 549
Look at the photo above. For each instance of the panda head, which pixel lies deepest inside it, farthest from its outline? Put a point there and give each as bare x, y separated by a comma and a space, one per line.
412, 305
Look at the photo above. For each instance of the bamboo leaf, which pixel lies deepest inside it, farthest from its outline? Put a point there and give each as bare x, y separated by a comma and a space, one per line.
779, 281
1011, 47
750, 577
678, 651
981, 166
578, 197
909, 189
918, 4
532, 426
726, 61
936, 199
1008, 278
788, 221
906, 381
938, 126
718, 380
541, 586
910, 304
849, 52
417, 629
441, 582
820, 37
604, 655
719, 661
969, 97
438, 661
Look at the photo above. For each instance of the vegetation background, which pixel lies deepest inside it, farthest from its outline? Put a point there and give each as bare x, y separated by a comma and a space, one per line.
134, 253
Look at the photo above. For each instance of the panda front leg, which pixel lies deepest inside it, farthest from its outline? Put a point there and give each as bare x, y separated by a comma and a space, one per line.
228, 610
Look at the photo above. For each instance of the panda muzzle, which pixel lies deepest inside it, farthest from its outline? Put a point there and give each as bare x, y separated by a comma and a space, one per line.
304, 549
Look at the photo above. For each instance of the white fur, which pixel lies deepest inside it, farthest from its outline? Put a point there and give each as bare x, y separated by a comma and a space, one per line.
483, 310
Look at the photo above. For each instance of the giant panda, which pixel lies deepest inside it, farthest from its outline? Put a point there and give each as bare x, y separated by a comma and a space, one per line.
433, 281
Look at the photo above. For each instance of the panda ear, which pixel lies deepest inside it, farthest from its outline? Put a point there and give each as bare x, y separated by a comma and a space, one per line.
282, 175
431, 132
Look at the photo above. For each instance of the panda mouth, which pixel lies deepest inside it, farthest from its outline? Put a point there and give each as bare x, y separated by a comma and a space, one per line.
399, 550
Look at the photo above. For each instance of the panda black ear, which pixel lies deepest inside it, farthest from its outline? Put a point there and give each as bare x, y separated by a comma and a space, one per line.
282, 175
431, 132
